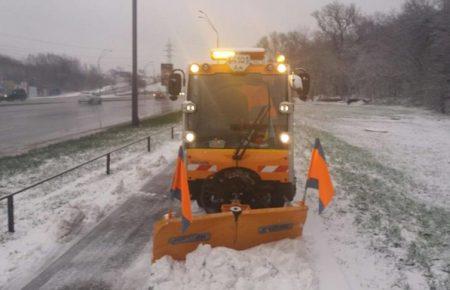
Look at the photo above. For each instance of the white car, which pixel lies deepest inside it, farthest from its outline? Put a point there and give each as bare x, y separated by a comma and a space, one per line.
90, 99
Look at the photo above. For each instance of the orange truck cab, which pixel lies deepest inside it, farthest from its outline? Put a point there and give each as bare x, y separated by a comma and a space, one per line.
238, 129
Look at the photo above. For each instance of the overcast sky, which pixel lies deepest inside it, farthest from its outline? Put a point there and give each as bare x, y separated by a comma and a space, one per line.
83, 28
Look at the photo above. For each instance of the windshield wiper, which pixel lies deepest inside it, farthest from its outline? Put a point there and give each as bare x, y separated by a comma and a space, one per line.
243, 145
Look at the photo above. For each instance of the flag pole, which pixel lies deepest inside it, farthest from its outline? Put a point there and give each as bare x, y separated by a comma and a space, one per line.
307, 177
304, 194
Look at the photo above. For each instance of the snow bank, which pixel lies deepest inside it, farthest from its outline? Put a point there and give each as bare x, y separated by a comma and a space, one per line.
278, 265
52, 217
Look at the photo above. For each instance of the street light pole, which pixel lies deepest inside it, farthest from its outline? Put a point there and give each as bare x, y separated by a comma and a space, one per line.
134, 82
206, 17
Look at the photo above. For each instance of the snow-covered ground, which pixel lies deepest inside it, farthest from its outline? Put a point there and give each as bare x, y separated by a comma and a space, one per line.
52, 217
280, 265
391, 167
387, 228
414, 141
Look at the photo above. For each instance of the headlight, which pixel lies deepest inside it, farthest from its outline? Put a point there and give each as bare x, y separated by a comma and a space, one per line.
189, 137
281, 58
285, 138
286, 107
281, 68
195, 68
188, 107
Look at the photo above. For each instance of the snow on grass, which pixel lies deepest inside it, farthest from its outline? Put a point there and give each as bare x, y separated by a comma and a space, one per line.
280, 265
52, 217
381, 210
411, 140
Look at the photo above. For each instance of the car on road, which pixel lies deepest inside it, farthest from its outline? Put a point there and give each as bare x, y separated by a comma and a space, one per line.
90, 99
3, 94
17, 94
158, 95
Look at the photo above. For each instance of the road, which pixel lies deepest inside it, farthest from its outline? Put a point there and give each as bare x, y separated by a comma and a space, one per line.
33, 123
104, 258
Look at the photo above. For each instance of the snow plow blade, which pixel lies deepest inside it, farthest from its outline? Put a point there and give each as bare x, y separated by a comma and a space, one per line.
250, 228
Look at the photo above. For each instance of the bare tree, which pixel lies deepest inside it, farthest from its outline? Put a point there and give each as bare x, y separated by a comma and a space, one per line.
394, 58
338, 22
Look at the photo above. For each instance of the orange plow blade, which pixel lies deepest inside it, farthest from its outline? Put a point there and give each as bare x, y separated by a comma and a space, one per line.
252, 227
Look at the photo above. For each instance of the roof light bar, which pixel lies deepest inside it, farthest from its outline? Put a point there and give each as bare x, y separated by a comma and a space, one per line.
222, 54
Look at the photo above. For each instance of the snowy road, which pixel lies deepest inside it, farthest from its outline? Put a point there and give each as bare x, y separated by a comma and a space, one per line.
26, 125
102, 258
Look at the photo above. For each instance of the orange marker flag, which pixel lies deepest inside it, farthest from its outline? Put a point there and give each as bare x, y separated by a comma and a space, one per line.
319, 177
180, 190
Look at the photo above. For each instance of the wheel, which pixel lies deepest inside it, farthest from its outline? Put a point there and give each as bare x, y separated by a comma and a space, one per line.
233, 184
212, 196
277, 200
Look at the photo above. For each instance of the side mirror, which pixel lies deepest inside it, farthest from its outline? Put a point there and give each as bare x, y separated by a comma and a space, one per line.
301, 76
295, 82
174, 86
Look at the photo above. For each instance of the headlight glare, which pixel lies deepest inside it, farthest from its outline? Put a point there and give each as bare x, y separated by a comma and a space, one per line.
281, 68
286, 107
281, 58
285, 138
189, 137
194, 68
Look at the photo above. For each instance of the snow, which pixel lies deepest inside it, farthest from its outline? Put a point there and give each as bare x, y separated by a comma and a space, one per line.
416, 142
388, 224
155, 87
54, 216
387, 227
281, 265
349, 247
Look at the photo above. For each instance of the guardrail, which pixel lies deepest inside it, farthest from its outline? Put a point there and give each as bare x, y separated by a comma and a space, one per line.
10, 197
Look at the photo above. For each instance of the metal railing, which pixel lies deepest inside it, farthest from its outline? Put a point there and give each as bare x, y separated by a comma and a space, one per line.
10, 197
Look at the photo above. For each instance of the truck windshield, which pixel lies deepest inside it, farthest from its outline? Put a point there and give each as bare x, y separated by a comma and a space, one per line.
227, 106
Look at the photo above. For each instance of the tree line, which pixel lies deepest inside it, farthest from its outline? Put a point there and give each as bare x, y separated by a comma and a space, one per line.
51, 71
397, 58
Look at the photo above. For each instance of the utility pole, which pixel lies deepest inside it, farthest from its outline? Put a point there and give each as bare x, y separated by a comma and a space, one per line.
205, 16
169, 51
134, 82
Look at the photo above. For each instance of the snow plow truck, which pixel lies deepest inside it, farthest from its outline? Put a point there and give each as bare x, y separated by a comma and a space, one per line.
237, 151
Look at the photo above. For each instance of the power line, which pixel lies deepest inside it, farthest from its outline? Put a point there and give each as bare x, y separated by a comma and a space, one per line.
48, 42
30, 52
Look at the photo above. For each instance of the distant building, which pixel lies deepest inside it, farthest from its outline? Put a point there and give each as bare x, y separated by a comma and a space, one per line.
32, 92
